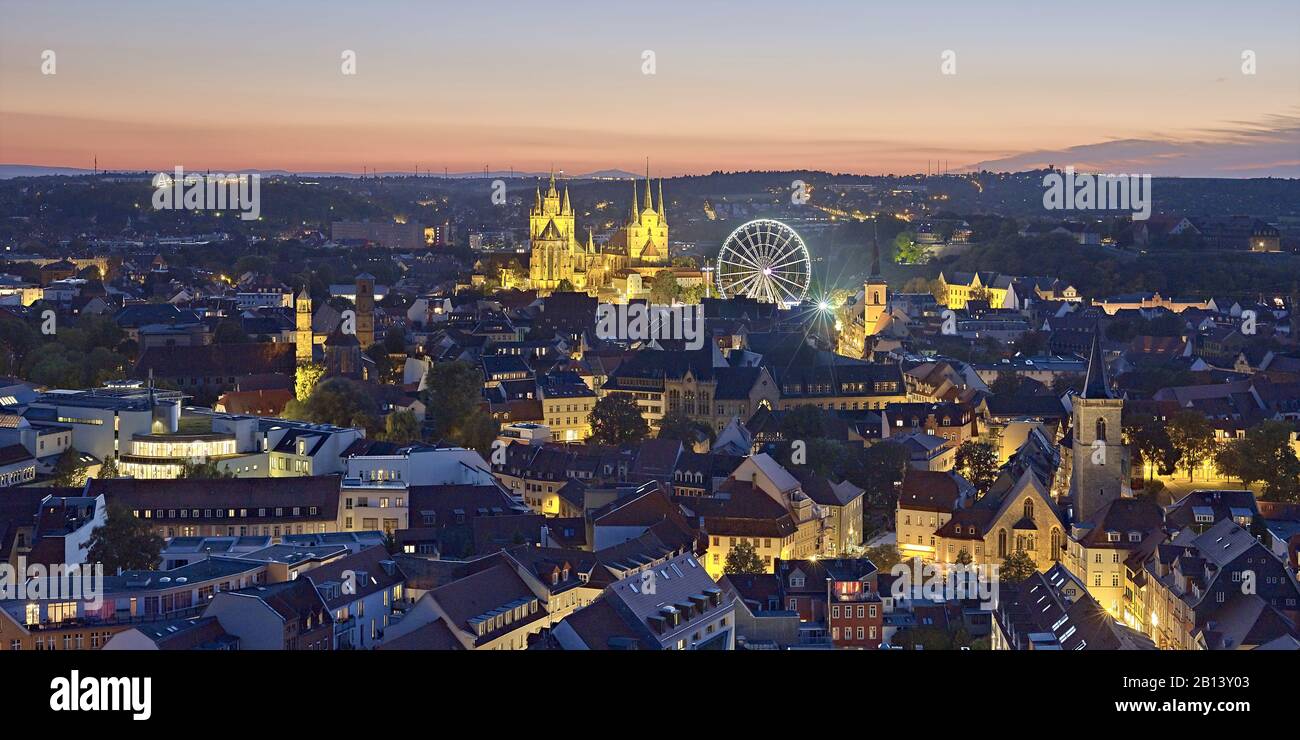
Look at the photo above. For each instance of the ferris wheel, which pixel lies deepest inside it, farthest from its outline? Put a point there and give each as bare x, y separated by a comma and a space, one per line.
766, 260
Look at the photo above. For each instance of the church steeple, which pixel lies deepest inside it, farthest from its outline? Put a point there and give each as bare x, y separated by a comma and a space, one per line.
649, 201
662, 217
566, 209
632, 216
1095, 385
875, 251
551, 192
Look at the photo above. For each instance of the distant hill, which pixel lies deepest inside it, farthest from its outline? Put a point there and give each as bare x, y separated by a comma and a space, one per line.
8, 171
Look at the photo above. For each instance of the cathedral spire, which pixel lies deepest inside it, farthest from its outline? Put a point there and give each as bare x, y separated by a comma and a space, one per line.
1094, 385
566, 209
551, 193
875, 251
632, 217
537, 202
649, 201
662, 217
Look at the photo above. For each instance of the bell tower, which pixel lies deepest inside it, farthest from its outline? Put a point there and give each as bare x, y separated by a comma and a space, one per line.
876, 290
365, 304
1099, 461
302, 335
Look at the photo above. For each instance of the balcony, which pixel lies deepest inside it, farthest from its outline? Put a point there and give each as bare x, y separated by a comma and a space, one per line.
118, 619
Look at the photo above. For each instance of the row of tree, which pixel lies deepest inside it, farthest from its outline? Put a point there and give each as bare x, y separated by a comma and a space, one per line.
1265, 454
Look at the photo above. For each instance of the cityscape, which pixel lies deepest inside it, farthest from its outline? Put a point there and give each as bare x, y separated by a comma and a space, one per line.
465, 375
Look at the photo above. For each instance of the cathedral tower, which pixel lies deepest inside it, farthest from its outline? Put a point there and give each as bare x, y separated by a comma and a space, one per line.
646, 233
1099, 460
302, 336
365, 304
875, 292
551, 235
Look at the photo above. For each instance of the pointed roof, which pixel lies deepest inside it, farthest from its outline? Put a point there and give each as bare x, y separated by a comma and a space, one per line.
339, 338
632, 215
649, 200
1095, 385
566, 209
875, 252
662, 218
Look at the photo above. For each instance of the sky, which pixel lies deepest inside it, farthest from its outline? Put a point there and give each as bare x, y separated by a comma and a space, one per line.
844, 86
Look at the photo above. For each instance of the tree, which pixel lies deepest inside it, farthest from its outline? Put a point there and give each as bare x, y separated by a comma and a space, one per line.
1192, 438
70, 470
306, 378
978, 463
880, 474
1017, 567
1264, 455
665, 290
204, 471
454, 393
616, 421
454, 397
109, 468
229, 331
1005, 384
16, 340
679, 426
885, 557
692, 294
1067, 382
1034, 343
401, 427
907, 251
340, 402
383, 366
564, 286
1149, 441
830, 458
124, 542
806, 422
964, 557
395, 340
743, 558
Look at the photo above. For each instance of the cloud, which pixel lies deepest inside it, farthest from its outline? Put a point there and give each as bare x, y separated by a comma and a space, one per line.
1238, 149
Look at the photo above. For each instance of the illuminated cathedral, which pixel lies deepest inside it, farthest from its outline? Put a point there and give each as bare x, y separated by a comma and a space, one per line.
639, 248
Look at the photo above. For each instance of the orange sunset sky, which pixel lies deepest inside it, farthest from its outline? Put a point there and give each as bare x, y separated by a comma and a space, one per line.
841, 86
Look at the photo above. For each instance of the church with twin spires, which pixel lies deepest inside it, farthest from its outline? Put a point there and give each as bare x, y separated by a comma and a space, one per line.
559, 253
